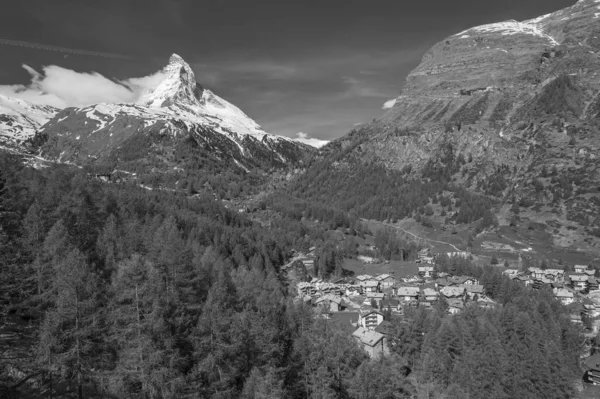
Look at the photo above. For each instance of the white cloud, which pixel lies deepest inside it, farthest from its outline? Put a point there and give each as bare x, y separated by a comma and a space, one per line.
304, 138
389, 104
61, 87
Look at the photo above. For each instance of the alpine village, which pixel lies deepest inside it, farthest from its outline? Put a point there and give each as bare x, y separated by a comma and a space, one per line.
449, 249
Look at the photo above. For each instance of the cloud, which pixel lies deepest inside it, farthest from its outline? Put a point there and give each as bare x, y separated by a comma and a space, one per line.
389, 103
304, 138
61, 87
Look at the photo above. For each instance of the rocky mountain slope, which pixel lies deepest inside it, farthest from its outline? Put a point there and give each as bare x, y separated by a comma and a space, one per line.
169, 125
19, 120
510, 110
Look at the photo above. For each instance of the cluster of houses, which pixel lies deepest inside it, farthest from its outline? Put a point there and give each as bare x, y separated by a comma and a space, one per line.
577, 290
365, 298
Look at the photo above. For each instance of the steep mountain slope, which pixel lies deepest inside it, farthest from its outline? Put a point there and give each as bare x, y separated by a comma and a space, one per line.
509, 110
19, 119
171, 124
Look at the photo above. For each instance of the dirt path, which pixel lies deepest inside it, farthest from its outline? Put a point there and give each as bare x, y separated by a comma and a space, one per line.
414, 235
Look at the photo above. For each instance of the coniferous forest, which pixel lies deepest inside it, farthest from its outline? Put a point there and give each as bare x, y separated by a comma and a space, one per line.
131, 293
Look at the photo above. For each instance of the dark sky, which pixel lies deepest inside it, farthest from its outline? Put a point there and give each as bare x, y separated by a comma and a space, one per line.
317, 67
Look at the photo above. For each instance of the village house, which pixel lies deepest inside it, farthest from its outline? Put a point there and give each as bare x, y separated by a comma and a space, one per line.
536, 272
369, 318
453, 292
525, 280
455, 305
305, 288
591, 308
370, 286
564, 296
442, 282
592, 375
556, 275
407, 294
510, 273
386, 280
426, 271
331, 303
430, 295
474, 291
390, 303
424, 256
463, 280
373, 342
580, 269
377, 297
353, 290
364, 277
578, 281
592, 283
538, 283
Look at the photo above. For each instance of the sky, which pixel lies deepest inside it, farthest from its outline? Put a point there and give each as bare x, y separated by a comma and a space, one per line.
306, 69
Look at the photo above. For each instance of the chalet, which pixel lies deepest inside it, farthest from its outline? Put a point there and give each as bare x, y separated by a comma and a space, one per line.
453, 292
591, 309
373, 342
353, 289
390, 303
538, 283
364, 277
308, 262
426, 271
386, 280
474, 291
455, 305
525, 280
536, 272
374, 296
408, 294
556, 275
424, 256
305, 288
369, 318
370, 286
329, 288
486, 303
592, 375
510, 273
580, 269
331, 303
564, 296
578, 281
442, 282
463, 280
592, 283
430, 295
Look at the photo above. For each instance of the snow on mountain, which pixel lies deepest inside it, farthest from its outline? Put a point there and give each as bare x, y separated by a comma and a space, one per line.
19, 119
177, 109
511, 27
180, 94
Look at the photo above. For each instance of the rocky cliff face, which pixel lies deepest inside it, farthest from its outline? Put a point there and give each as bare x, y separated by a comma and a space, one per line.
514, 99
486, 73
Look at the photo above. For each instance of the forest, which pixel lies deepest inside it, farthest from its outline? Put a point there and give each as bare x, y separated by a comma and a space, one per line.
137, 293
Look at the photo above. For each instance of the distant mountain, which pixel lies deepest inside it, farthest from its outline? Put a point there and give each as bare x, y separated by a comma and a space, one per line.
175, 126
19, 119
509, 110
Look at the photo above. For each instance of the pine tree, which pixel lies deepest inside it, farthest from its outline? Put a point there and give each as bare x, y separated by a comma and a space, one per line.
69, 334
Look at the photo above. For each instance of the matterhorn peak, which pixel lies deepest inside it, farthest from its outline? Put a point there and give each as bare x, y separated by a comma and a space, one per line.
178, 86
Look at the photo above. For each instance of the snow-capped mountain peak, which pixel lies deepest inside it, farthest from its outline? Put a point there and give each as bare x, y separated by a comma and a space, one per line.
178, 87
20, 119
179, 94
